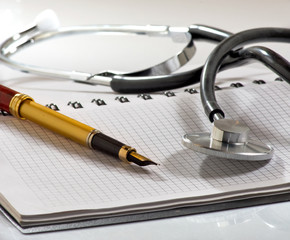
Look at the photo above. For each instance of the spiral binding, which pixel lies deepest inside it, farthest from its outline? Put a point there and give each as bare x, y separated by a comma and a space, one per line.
145, 96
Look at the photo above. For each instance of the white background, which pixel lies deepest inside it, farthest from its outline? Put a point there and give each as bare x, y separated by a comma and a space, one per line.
265, 222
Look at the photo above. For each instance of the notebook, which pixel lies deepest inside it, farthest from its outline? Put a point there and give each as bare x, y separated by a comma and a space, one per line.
47, 180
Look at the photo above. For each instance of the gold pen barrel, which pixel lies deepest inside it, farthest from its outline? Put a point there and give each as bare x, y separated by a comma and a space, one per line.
55, 121
22, 106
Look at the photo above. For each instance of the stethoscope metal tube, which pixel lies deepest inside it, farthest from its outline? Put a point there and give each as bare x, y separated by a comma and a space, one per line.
33, 35
154, 78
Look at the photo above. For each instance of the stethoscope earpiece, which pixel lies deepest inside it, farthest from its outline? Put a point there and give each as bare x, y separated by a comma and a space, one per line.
46, 21
229, 139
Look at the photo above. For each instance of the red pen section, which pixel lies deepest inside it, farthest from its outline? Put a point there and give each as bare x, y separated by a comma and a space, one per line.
6, 94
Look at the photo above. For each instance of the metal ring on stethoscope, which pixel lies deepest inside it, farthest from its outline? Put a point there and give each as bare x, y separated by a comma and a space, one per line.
32, 36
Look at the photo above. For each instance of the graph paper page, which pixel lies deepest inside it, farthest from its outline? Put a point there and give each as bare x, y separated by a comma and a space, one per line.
52, 174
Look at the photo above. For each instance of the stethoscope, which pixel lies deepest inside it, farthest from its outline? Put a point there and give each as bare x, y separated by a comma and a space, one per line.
229, 138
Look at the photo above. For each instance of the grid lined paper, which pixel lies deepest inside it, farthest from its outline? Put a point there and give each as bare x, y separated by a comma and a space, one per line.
65, 175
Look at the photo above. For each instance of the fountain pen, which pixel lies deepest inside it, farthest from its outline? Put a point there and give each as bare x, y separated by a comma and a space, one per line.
24, 107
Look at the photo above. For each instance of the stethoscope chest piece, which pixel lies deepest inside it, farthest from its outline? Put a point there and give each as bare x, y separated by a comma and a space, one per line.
229, 139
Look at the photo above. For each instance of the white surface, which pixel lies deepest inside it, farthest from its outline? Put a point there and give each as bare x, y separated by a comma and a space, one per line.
265, 222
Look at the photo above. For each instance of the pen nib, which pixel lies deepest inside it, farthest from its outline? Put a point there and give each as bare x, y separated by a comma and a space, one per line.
139, 159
